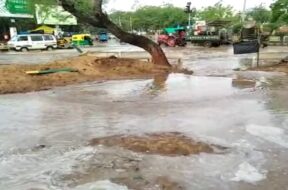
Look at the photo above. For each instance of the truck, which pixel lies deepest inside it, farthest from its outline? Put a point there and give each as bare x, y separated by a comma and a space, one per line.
173, 36
212, 34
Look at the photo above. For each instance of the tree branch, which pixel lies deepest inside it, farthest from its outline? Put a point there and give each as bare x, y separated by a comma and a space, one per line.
98, 6
100, 19
90, 19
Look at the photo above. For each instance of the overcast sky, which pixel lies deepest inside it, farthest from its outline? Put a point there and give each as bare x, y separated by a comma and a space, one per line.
237, 4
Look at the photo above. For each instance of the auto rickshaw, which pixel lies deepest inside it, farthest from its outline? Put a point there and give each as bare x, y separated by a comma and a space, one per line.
82, 40
65, 41
103, 37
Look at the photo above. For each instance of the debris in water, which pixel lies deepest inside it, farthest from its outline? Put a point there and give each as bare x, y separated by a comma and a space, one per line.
243, 83
169, 144
166, 184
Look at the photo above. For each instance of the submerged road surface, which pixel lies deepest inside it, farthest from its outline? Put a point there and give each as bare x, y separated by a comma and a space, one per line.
44, 139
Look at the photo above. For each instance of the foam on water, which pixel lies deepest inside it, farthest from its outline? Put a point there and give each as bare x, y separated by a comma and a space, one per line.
248, 173
271, 134
100, 185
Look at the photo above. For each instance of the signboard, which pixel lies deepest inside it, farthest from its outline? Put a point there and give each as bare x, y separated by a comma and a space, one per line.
14, 9
53, 15
17, 6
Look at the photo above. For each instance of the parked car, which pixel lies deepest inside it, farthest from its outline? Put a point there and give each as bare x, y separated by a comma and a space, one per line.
28, 42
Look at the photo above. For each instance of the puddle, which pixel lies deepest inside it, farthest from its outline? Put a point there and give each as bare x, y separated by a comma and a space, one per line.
243, 83
44, 135
168, 144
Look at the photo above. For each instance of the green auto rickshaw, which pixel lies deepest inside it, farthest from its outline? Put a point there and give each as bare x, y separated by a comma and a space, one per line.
82, 40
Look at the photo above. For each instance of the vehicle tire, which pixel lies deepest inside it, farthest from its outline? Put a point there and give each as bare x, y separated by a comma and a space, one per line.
49, 48
24, 49
183, 44
216, 45
207, 44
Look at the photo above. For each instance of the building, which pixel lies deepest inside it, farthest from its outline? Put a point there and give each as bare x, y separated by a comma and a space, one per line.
10, 10
13, 10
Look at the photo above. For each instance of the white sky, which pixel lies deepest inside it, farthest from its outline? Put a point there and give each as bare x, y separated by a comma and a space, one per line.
127, 5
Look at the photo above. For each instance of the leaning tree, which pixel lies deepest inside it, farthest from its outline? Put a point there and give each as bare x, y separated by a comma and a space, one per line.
91, 12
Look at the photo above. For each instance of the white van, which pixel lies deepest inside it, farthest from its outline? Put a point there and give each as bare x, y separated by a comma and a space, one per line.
28, 42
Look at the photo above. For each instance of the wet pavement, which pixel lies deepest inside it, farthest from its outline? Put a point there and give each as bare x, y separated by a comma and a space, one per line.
45, 135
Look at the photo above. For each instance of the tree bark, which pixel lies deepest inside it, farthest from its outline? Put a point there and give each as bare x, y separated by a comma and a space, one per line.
154, 49
99, 19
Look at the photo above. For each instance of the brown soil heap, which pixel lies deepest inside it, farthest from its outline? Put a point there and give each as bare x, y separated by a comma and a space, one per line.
282, 67
13, 78
169, 144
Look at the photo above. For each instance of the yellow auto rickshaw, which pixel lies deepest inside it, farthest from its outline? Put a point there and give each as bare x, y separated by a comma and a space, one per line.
82, 39
65, 41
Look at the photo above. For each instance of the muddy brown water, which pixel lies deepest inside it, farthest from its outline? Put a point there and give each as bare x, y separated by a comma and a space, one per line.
44, 135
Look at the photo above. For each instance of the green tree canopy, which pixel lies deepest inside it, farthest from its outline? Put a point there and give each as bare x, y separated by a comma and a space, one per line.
216, 12
280, 12
260, 14
151, 18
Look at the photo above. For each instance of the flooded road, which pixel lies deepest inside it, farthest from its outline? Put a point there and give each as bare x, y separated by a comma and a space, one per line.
45, 135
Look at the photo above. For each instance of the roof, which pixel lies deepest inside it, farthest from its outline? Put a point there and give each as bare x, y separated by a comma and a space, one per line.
46, 29
173, 30
5, 13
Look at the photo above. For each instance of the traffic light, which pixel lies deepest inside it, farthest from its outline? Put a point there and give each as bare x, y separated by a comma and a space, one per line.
188, 6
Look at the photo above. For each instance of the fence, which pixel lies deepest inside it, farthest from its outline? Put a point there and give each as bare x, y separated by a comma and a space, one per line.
278, 41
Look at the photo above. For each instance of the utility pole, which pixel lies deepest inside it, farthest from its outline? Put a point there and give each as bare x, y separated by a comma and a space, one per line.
131, 24
189, 22
244, 11
188, 10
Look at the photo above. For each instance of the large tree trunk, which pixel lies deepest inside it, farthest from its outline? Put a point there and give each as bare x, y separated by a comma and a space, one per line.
154, 49
99, 19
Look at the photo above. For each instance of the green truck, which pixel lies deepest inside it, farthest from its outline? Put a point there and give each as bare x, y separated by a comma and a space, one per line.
212, 34
206, 40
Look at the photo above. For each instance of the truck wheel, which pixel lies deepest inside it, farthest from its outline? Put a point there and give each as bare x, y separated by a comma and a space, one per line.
24, 49
207, 44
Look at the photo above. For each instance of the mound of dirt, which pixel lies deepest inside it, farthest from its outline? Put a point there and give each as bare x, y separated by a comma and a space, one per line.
13, 78
282, 67
168, 144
